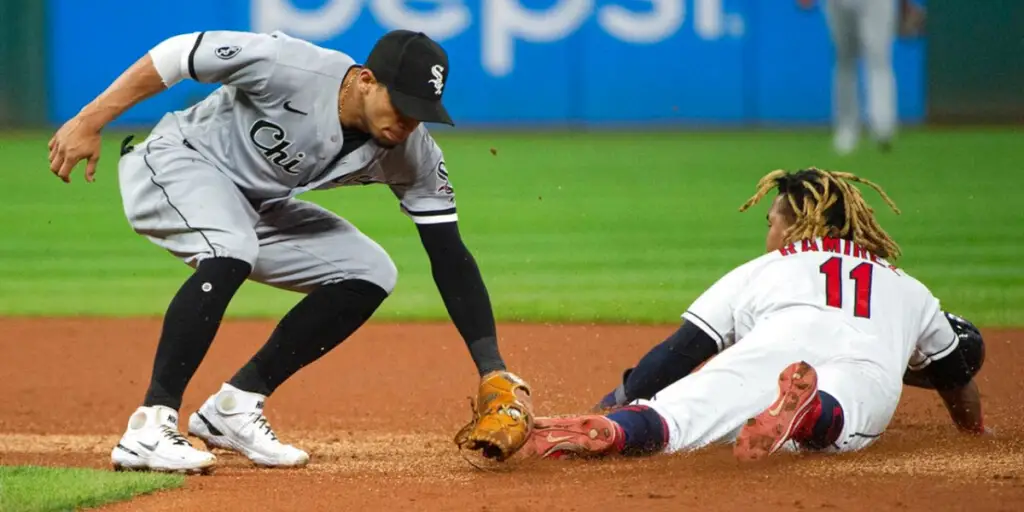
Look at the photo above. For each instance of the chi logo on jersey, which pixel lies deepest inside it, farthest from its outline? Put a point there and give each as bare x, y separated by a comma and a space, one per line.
272, 139
438, 80
226, 52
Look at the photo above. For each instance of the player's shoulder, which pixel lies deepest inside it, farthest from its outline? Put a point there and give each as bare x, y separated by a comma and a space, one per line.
752, 267
782, 263
763, 260
418, 152
301, 55
913, 285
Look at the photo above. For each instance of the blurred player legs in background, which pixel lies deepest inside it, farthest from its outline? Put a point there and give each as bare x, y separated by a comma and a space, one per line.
865, 29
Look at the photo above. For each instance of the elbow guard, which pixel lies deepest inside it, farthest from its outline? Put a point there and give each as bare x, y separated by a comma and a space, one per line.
959, 367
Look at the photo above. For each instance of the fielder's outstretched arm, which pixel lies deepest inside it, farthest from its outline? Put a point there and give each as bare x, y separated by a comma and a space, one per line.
429, 200
463, 291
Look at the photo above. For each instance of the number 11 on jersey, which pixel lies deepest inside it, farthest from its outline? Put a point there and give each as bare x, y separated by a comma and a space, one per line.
861, 275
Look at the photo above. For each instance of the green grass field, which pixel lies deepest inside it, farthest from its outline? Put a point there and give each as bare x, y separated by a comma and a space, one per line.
603, 227
42, 489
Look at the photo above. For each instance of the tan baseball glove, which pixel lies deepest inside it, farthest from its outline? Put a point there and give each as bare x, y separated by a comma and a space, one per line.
502, 417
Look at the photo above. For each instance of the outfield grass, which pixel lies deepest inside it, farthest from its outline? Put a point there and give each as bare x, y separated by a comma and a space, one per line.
39, 489
566, 226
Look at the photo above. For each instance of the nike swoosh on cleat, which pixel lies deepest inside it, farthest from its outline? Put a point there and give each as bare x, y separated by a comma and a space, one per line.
125, 448
209, 426
775, 411
149, 447
553, 439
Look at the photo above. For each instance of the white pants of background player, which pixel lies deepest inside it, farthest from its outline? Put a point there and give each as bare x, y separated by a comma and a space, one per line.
712, 404
863, 29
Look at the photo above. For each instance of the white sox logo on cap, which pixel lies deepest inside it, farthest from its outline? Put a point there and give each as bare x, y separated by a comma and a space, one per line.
414, 68
438, 79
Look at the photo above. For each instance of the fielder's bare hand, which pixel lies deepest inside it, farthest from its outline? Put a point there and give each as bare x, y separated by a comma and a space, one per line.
77, 140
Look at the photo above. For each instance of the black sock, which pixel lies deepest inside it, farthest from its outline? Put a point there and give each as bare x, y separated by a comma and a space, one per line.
485, 354
317, 324
190, 324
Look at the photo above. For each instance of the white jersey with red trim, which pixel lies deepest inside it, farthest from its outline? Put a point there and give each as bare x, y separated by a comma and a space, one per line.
901, 321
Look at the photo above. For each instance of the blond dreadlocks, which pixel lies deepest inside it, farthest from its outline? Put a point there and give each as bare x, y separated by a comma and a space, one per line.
826, 203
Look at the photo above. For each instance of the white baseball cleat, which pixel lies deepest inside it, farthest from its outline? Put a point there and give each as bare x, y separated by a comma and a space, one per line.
845, 141
153, 443
233, 419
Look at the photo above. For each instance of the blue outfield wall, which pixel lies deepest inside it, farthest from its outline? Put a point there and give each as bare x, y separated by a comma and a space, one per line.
530, 62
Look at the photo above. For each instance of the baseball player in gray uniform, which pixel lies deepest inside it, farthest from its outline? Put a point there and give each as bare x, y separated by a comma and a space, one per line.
862, 29
216, 185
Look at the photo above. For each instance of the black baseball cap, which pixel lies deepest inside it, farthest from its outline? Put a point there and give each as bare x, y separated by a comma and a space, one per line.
414, 68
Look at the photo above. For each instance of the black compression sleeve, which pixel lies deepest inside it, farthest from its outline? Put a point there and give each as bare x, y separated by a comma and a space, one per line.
463, 291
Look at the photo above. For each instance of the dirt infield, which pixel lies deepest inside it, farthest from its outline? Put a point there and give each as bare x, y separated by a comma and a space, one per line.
377, 415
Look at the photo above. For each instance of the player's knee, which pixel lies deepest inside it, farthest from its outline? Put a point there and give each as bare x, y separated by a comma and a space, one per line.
239, 246
203, 245
373, 265
846, 55
829, 424
878, 58
381, 271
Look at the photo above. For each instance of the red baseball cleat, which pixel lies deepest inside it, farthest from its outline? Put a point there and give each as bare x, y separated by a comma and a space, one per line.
578, 436
764, 434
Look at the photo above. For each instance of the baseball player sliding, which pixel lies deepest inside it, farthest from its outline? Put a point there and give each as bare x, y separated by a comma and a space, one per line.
216, 186
806, 347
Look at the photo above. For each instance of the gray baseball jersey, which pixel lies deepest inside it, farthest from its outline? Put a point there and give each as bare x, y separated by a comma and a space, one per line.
220, 178
273, 128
